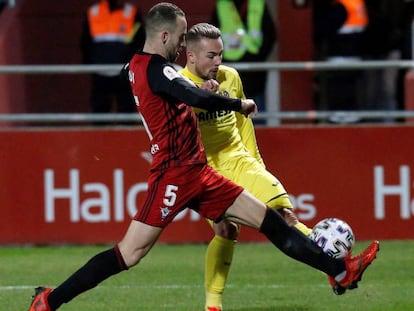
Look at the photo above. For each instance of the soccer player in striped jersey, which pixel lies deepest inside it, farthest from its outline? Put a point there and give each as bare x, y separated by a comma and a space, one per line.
181, 178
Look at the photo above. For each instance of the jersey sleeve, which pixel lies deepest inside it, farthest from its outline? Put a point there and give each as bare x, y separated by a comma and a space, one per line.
165, 80
248, 136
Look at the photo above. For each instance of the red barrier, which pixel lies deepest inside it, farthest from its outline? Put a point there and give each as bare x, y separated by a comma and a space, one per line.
82, 186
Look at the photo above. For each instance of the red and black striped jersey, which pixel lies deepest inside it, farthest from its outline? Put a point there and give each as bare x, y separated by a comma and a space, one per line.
162, 96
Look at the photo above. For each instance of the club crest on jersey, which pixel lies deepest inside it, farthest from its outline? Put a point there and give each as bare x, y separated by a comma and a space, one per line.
224, 93
170, 73
165, 211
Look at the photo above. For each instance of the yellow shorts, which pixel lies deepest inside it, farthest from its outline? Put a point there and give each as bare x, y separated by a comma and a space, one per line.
247, 172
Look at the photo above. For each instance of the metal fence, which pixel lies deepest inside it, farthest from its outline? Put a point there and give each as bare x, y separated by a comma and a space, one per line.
262, 66
271, 67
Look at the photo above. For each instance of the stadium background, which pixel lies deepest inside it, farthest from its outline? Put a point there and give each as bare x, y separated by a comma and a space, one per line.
80, 185
48, 32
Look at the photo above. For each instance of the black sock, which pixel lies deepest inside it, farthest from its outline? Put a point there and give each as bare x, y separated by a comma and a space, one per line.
297, 246
96, 270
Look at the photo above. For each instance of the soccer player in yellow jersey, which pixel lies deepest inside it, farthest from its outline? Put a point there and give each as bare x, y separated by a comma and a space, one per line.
230, 143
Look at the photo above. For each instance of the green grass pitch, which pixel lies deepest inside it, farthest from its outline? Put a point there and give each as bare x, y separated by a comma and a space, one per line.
171, 278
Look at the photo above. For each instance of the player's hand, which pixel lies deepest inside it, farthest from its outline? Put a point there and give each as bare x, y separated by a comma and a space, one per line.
210, 85
248, 107
289, 216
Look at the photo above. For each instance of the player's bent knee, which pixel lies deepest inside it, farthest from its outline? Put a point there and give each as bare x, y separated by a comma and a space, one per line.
227, 230
247, 210
137, 242
132, 256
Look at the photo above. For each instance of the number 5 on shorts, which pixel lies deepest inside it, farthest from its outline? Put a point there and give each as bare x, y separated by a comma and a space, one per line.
170, 195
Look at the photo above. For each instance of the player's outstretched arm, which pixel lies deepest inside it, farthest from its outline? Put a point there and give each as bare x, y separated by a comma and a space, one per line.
164, 79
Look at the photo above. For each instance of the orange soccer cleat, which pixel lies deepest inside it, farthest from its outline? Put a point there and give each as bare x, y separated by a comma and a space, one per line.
355, 267
39, 302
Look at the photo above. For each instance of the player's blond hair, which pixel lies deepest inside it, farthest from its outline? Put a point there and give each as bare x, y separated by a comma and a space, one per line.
201, 31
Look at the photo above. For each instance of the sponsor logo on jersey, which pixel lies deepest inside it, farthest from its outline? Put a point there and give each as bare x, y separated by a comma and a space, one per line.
211, 115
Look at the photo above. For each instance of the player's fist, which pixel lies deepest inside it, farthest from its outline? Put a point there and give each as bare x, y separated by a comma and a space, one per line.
248, 107
210, 85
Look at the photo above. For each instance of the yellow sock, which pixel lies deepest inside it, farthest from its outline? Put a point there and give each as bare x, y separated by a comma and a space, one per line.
218, 260
278, 204
303, 228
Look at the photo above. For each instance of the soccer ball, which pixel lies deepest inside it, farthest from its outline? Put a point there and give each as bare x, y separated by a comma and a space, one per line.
334, 236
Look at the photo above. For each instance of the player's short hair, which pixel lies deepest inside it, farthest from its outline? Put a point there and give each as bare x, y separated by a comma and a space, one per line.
202, 30
162, 16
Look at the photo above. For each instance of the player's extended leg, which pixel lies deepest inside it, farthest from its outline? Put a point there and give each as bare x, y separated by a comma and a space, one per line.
290, 217
346, 273
219, 256
282, 204
135, 245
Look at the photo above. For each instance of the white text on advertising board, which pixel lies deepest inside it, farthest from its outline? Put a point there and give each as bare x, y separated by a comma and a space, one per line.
87, 209
118, 203
400, 189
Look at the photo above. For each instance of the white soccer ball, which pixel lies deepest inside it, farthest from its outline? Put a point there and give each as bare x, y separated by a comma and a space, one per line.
334, 236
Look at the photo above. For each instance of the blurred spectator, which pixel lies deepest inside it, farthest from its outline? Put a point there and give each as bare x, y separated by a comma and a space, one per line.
406, 18
249, 35
112, 32
384, 35
340, 27
2, 5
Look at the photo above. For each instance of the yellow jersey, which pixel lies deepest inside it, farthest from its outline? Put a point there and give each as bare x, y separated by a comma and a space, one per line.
230, 143
225, 134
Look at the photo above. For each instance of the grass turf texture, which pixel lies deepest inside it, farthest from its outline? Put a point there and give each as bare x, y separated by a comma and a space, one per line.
171, 278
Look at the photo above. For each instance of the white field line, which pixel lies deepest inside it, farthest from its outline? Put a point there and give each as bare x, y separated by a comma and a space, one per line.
165, 286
